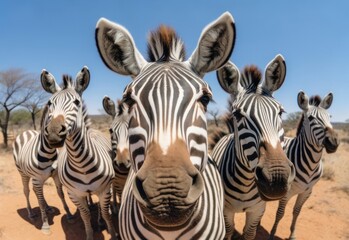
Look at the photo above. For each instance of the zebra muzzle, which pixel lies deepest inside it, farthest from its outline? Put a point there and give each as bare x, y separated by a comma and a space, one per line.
168, 196
273, 174
56, 132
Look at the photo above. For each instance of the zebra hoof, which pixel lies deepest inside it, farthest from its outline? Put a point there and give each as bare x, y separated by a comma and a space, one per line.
45, 229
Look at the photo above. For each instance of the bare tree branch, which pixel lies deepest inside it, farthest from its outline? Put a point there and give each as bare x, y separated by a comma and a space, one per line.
15, 89
214, 113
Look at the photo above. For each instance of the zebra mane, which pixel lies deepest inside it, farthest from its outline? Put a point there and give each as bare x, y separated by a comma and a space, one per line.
300, 124
67, 81
119, 107
85, 116
43, 115
250, 77
164, 45
229, 115
315, 100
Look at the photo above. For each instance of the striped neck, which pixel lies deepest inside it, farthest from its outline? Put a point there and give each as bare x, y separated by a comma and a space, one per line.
45, 152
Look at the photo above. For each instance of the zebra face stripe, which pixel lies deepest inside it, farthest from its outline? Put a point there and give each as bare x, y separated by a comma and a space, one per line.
258, 120
320, 127
64, 115
165, 106
118, 132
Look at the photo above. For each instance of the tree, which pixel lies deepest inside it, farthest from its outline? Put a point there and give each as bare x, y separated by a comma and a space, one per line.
36, 102
15, 90
292, 120
214, 113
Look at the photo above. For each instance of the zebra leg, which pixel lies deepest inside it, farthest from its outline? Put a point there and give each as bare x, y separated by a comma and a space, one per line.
26, 191
81, 204
114, 205
48, 209
104, 201
60, 193
89, 200
253, 219
100, 219
301, 199
279, 215
229, 222
38, 189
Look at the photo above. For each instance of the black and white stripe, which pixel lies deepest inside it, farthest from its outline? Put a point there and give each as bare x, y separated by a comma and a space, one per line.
120, 146
36, 160
84, 165
251, 162
174, 190
315, 132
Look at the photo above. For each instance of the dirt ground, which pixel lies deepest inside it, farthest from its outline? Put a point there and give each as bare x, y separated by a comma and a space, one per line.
324, 216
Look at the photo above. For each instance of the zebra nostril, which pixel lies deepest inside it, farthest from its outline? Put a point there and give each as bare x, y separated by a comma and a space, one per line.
63, 130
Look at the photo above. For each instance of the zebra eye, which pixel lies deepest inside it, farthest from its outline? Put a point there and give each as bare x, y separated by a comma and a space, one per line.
49, 103
282, 111
77, 102
205, 100
110, 130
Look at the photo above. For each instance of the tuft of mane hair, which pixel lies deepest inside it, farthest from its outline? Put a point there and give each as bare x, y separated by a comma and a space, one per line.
251, 77
120, 107
228, 116
67, 81
43, 115
164, 45
300, 124
315, 100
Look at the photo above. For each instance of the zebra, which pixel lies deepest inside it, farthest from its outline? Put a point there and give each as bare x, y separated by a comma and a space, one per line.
120, 146
36, 160
173, 190
85, 164
314, 133
251, 160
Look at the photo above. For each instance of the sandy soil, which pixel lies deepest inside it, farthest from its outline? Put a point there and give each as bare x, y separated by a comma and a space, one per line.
324, 216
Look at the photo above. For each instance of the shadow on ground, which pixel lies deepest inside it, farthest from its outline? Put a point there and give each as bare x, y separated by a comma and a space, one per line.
37, 222
75, 230
262, 234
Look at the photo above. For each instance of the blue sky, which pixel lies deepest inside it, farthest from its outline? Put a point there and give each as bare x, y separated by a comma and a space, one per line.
313, 37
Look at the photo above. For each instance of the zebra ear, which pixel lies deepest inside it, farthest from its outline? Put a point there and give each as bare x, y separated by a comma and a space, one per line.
109, 106
327, 101
215, 45
229, 78
303, 101
82, 80
117, 49
48, 82
275, 74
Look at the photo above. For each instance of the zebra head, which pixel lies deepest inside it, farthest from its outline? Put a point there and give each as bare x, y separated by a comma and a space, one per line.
167, 99
65, 106
119, 132
316, 121
257, 124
